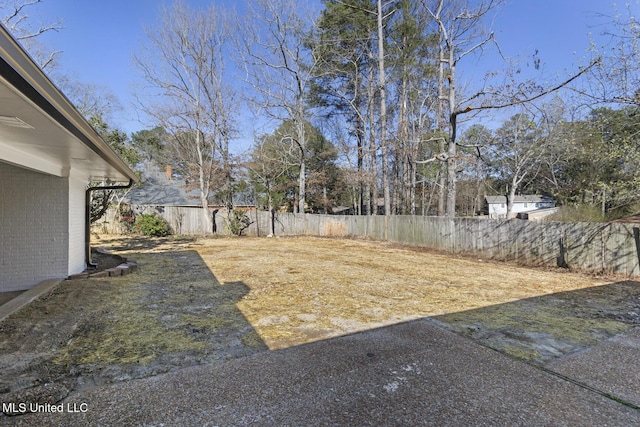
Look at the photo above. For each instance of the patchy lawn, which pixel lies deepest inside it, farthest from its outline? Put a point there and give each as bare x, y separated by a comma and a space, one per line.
306, 289
207, 300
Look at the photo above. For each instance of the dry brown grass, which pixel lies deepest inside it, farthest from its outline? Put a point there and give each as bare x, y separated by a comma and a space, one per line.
306, 289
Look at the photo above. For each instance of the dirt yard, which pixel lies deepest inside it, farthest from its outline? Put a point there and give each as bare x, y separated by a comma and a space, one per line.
195, 301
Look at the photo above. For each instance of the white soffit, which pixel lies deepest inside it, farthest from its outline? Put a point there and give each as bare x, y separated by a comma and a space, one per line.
14, 122
31, 139
41, 130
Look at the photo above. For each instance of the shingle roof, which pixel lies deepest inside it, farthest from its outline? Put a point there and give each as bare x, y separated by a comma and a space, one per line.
156, 189
155, 192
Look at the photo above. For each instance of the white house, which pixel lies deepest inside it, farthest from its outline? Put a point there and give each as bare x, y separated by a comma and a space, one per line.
48, 155
497, 205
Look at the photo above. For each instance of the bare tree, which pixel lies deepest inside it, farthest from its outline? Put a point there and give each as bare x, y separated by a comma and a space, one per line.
16, 18
279, 70
183, 64
474, 168
91, 100
270, 163
616, 76
517, 152
460, 33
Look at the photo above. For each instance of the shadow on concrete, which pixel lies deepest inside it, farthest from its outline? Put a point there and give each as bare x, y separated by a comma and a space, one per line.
8, 296
545, 328
408, 374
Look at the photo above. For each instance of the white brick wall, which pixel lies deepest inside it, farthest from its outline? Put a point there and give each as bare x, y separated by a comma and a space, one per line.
77, 212
34, 227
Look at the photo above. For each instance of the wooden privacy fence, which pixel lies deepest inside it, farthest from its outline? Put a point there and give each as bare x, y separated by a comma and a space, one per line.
609, 247
182, 220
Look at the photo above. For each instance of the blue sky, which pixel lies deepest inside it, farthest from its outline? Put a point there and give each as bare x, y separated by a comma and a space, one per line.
100, 37
559, 29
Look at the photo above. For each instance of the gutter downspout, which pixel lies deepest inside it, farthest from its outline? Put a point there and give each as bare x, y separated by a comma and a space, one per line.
87, 219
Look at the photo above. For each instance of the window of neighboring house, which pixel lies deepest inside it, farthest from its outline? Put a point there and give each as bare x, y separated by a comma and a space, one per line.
525, 205
502, 205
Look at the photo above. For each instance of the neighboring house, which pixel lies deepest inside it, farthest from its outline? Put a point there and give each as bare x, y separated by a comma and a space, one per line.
159, 188
48, 155
343, 210
165, 194
496, 206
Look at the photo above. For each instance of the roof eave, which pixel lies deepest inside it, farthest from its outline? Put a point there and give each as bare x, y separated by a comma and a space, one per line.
21, 71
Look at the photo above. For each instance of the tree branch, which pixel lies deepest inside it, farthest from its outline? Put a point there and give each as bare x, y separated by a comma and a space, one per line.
470, 108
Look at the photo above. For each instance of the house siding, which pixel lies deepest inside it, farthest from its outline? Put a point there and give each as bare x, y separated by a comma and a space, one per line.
497, 205
77, 213
34, 228
499, 210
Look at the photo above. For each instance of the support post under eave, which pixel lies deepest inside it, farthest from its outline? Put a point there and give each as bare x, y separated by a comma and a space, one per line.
87, 219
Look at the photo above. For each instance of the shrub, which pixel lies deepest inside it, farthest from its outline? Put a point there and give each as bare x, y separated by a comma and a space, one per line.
578, 213
127, 218
238, 221
152, 225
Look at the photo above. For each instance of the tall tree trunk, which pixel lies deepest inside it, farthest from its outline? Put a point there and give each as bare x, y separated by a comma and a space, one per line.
479, 187
412, 194
360, 167
272, 226
302, 186
373, 149
404, 150
511, 197
383, 115
452, 149
221, 126
441, 123
203, 186
302, 178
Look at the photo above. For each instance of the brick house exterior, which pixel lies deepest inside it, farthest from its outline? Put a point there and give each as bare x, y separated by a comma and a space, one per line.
48, 155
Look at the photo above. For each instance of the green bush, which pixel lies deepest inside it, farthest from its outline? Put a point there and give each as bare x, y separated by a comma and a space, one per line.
578, 213
152, 225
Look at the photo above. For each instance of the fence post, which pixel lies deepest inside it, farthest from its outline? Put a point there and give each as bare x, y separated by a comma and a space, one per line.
386, 228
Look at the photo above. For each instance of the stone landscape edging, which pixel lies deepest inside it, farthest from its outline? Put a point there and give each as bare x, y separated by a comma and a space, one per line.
127, 266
